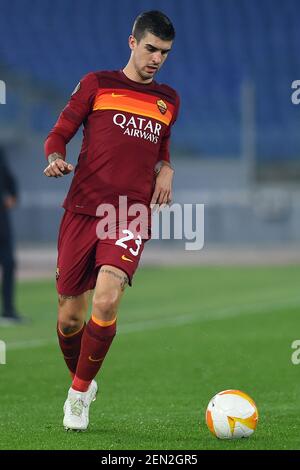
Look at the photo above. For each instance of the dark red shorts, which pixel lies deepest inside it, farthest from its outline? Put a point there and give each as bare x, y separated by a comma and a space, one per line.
81, 253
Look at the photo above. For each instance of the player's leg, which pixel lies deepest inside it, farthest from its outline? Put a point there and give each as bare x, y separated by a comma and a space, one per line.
101, 328
72, 311
118, 262
75, 277
8, 265
95, 343
8, 270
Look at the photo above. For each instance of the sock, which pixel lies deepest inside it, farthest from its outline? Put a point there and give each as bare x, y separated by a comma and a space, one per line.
70, 346
96, 341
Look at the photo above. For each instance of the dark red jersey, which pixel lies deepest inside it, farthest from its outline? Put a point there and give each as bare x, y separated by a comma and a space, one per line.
126, 132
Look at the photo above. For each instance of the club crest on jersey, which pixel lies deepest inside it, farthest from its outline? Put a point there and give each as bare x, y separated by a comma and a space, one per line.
162, 106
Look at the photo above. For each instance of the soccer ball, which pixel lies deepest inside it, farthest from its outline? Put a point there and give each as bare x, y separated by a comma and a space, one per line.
231, 414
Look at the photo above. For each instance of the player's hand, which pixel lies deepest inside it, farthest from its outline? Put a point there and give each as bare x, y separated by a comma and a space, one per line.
58, 168
162, 194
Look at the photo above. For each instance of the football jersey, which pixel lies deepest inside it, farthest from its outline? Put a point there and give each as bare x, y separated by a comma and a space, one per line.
126, 132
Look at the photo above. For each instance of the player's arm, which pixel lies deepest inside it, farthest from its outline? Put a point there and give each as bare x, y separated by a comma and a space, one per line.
67, 125
164, 180
163, 184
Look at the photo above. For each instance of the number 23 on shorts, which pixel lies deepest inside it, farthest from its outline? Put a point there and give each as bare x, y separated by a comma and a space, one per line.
123, 242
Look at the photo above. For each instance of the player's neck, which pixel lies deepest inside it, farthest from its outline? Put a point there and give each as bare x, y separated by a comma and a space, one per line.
130, 72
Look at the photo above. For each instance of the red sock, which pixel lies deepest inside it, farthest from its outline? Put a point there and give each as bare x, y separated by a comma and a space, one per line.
70, 346
96, 341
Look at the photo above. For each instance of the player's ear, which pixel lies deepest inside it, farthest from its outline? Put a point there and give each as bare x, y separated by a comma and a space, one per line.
132, 42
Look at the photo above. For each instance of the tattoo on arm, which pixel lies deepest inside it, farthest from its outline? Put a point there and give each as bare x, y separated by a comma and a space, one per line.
122, 278
54, 156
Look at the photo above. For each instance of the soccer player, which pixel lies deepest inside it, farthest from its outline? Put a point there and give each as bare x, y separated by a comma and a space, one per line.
127, 118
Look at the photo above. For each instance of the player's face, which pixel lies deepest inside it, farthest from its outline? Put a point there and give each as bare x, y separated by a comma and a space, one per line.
149, 54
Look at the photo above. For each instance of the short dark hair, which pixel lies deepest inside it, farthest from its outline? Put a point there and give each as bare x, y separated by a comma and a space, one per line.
154, 22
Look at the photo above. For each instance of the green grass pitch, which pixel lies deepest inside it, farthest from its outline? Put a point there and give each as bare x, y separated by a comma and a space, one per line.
184, 335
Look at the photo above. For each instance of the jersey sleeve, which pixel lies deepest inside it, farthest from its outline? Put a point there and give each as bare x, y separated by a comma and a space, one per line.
164, 152
72, 116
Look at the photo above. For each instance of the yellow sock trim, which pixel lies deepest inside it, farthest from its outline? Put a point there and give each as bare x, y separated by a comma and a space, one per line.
70, 334
102, 322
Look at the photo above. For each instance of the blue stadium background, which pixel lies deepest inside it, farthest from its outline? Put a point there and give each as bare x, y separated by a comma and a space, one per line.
221, 45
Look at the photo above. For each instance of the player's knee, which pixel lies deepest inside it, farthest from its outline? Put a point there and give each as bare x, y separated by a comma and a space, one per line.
69, 325
69, 315
105, 306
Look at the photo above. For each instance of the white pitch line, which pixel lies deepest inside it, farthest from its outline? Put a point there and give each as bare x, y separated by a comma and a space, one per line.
32, 343
210, 314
